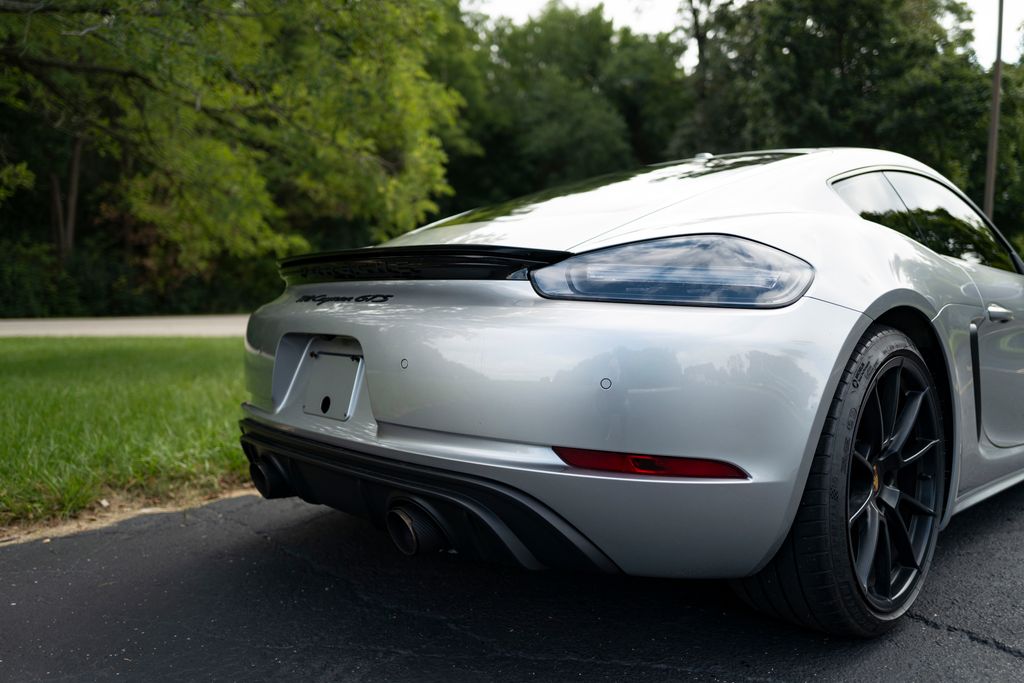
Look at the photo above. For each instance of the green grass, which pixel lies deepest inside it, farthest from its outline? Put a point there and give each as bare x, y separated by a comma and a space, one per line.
84, 418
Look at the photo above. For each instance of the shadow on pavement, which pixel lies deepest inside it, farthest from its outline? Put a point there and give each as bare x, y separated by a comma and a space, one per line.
246, 587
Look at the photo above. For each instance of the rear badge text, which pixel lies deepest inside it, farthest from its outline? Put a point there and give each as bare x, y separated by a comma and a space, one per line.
320, 299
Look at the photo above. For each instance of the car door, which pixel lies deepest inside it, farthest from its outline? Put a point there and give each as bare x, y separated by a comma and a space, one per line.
950, 225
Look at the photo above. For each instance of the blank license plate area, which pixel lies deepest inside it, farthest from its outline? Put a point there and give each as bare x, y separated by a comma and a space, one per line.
332, 384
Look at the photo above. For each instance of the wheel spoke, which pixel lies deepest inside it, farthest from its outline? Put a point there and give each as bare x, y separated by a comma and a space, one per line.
868, 546
891, 401
916, 506
882, 433
920, 453
883, 562
906, 421
863, 460
905, 554
860, 511
890, 496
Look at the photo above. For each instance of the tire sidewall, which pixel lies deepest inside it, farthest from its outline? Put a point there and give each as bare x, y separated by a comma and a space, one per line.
864, 367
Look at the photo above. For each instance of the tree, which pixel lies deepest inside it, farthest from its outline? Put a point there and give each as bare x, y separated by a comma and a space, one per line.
1009, 204
643, 80
896, 74
562, 97
178, 144
233, 123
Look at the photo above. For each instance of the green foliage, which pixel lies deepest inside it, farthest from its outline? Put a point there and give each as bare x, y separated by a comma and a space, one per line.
562, 97
236, 124
643, 80
808, 73
146, 417
213, 186
209, 136
14, 177
894, 74
27, 283
1009, 204
101, 278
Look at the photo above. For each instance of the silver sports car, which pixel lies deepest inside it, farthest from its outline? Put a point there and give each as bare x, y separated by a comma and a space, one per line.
787, 368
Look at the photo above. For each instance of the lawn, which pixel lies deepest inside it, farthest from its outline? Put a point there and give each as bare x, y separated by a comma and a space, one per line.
85, 418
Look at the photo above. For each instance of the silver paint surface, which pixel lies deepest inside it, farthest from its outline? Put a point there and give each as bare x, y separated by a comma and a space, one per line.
484, 377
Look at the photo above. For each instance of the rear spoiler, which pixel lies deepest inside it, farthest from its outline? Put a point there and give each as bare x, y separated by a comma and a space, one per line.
431, 262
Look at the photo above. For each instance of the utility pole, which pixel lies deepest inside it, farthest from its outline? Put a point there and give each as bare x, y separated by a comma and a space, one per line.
993, 121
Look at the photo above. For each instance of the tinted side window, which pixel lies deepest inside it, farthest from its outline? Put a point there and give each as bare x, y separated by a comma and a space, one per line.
873, 198
947, 223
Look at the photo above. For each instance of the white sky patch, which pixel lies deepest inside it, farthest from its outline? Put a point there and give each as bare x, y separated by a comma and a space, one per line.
655, 16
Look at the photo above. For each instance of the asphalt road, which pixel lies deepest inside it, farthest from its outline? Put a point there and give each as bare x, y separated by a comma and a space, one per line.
245, 588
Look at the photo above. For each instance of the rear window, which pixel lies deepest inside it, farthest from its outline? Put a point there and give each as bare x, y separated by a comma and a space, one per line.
926, 211
873, 197
947, 223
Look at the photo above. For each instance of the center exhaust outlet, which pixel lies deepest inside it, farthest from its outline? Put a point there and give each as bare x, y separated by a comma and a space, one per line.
413, 531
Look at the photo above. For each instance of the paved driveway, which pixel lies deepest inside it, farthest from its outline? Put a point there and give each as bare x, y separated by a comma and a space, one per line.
245, 588
148, 326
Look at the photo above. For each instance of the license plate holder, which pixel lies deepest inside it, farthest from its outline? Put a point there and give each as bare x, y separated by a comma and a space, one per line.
333, 384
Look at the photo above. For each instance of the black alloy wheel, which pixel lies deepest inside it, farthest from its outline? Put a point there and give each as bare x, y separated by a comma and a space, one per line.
858, 552
895, 480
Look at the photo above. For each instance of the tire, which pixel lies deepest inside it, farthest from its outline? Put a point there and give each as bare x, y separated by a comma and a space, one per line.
827, 575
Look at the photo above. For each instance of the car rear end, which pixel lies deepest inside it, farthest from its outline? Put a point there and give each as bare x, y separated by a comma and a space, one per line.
435, 392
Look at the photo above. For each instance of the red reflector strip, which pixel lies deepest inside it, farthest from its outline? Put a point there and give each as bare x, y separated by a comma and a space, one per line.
659, 465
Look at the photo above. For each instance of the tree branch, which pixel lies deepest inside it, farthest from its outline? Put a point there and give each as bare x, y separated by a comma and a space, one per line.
19, 60
43, 7
85, 31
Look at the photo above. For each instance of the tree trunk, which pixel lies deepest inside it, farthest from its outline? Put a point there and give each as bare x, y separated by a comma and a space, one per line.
64, 215
74, 173
57, 214
698, 31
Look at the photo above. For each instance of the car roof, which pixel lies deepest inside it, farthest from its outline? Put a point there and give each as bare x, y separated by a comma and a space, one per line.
701, 187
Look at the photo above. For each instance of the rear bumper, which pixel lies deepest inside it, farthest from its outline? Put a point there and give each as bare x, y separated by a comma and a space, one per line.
483, 378
481, 518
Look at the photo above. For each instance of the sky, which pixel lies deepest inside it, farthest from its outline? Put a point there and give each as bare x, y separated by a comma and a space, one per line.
652, 16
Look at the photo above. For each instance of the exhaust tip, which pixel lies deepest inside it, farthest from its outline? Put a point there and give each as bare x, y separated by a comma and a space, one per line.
268, 478
413, 531
258, 476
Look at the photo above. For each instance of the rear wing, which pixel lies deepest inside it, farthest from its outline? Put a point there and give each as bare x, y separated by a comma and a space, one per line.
431, 262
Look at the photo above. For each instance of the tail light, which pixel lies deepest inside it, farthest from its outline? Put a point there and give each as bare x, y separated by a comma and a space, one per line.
658, 465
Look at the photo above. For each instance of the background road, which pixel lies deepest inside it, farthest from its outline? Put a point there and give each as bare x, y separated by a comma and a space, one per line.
143, 326
256, 589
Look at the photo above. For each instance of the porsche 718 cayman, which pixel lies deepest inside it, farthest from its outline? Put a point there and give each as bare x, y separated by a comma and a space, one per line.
786, 368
